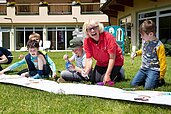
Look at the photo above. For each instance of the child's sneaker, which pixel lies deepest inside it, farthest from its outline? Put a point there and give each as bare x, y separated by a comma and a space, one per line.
61, 80
37, 76
161, 82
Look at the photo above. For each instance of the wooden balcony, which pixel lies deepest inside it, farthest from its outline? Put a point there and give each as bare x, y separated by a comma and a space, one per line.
3, 9
52, 13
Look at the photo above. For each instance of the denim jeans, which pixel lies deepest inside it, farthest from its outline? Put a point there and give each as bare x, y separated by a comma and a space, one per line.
147, 77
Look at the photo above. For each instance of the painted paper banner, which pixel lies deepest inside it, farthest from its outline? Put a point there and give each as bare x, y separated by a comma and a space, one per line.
153, 97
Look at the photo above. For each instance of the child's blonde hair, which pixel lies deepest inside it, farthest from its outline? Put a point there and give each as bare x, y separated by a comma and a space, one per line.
34, 35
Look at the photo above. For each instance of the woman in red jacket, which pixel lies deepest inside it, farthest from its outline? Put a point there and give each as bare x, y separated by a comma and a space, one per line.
102, 46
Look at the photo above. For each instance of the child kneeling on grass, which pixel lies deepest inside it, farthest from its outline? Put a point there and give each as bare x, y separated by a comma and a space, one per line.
39, 65
153, 67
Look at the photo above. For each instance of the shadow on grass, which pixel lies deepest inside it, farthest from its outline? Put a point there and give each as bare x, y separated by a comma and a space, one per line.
167, 84
126, 80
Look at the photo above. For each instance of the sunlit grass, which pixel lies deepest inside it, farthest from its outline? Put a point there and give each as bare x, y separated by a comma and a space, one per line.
20, 100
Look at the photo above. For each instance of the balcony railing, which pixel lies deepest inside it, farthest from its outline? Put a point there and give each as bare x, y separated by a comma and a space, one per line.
53, 9
3, 9
27, 9
91, 8
59, 9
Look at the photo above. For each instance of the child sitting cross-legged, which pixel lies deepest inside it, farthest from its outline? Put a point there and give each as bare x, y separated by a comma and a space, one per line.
39, 66
74, 72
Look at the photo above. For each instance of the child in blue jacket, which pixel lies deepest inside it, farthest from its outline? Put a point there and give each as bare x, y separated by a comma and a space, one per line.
39, 65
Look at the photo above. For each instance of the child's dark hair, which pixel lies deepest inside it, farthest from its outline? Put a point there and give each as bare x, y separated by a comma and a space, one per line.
32, 44
147, 26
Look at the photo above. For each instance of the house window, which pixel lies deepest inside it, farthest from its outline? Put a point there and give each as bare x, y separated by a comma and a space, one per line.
162, 18
146, 15
22, 35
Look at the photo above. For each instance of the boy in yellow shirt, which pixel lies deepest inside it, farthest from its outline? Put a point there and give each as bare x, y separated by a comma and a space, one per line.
153, 66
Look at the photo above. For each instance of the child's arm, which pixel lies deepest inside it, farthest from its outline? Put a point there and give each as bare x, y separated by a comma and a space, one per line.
4, 70
134, 54
137, 53
66, 57
70, 60
88, 66
52, 66
3, 59
162, 60
13, 66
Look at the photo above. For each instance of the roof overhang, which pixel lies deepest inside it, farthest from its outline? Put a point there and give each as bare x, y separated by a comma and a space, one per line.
111, 7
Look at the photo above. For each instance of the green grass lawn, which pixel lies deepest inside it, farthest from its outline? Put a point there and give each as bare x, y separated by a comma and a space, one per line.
20, 100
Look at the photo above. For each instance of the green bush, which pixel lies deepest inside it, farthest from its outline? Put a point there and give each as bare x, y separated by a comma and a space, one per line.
167, 49
127, 44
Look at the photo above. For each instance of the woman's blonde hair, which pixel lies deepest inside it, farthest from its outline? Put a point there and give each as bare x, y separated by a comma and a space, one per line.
92, 23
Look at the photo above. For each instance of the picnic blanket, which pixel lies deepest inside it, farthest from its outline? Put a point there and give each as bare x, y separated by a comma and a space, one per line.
144, 96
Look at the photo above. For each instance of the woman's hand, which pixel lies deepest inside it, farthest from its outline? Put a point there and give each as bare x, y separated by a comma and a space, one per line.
106, 79
84, 74
109, 68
